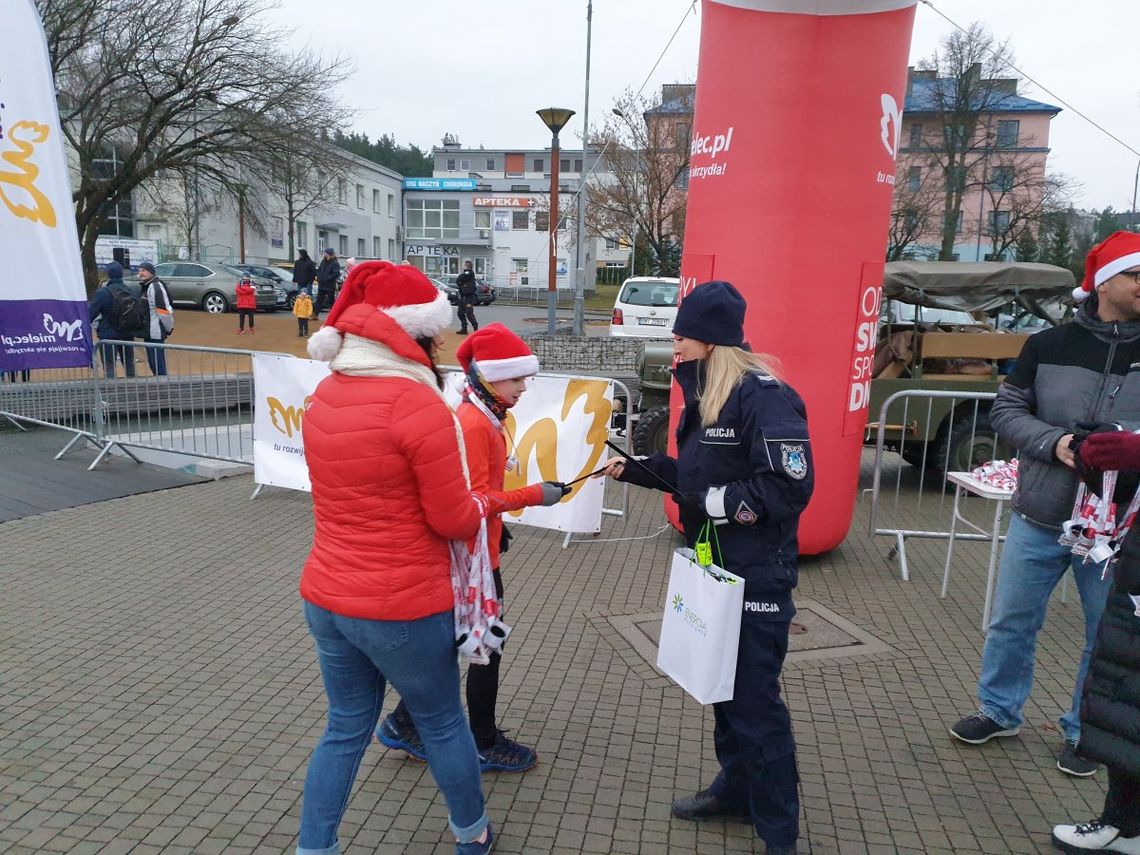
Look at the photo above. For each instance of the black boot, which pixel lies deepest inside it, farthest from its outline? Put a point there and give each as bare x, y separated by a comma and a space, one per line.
704, 805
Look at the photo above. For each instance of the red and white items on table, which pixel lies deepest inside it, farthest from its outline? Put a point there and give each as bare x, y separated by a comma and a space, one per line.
1095, 530
1000, 474
478, 629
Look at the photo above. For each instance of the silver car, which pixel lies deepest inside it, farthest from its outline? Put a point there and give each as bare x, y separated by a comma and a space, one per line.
212, 286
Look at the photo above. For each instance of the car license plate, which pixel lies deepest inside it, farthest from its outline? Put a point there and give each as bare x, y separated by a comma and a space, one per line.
653, 322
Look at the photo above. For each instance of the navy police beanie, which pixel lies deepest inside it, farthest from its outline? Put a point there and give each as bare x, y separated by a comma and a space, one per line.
114, 270
712, 313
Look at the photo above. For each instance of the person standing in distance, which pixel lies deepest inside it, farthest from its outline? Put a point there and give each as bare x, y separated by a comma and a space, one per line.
466, 288
161, 317
103, 307
1065, 377
304, 271
743, 461
328, 275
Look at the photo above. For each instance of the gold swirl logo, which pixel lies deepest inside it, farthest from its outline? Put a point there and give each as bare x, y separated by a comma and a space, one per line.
25, 136
286, 419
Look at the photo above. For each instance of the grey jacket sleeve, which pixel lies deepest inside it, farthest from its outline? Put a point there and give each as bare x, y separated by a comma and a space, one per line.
1014, 413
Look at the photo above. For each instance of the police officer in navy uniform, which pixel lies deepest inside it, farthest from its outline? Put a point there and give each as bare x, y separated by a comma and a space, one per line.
744, 461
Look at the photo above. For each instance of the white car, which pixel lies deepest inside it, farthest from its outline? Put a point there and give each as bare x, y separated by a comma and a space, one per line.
646, 307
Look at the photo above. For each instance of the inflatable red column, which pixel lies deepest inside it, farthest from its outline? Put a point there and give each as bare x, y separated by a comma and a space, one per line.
796, 127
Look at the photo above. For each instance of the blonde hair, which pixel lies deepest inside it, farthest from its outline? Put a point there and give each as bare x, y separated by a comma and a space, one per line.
725, 368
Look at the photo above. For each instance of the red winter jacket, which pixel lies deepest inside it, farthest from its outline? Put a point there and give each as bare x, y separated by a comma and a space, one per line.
388, 486
246, 296
487, 461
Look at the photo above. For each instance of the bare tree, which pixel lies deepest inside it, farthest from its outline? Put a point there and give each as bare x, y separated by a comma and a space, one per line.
916, 210
305, 185
1021, 197
964, 86
195, 88
640, 193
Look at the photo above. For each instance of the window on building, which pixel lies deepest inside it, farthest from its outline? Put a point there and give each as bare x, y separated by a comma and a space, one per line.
277, 231
914, 179
956, 179
1008, 131
539, 165
577, 164
482, 219
391, 249
520, 221
432, 218
391, 205
451, 164
999, 222
490, 164
955, 136
465, 165
342, 245
681, 134
375, 201
682, 182
611, 245
916, 135
519, 267
564, 164
677, 222
342, 191
360, 196
360, 248
481, 267
542, 221
514, 165
1001, 179
302, 234
118, 218
520, 188
377, 247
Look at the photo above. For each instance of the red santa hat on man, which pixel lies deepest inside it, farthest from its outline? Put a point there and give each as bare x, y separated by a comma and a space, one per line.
1115, 254
497, 354
400, 291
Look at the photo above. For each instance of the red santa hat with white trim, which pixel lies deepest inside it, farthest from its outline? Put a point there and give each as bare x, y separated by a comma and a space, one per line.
1115, 254
497, 353
398, 290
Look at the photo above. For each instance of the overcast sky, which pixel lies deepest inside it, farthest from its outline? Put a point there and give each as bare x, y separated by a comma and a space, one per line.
480, 70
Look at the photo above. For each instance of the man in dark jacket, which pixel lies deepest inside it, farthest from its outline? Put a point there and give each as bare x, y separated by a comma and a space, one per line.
328, 274
102, 307
465, 286
1110, 709
1073, 374
304, 270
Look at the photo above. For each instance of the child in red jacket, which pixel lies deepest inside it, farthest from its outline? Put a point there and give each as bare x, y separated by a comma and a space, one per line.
497, 364
246, 304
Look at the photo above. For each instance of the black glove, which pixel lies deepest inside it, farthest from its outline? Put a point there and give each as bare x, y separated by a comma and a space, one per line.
690, 504
505, 538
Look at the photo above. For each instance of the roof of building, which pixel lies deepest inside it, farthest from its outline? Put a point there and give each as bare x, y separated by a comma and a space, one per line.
682, 105
924, 97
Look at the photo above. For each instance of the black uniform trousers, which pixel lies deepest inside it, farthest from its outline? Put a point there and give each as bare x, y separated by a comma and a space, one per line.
467, 316
753, 735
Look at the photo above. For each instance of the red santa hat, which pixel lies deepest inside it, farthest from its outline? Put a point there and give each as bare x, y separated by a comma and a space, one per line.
1113, 255
498, 354
400, 291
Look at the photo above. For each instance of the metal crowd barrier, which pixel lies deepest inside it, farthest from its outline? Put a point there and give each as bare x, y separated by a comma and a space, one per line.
928, 429
200, 403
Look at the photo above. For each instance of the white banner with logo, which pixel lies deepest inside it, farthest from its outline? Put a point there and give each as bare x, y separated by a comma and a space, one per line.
557, 431
43, 313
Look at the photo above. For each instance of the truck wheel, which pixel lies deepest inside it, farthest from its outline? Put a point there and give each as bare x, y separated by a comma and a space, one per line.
652, 431
967, 444
912, 453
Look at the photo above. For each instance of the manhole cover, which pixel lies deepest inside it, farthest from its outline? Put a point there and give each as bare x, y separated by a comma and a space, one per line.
816, 633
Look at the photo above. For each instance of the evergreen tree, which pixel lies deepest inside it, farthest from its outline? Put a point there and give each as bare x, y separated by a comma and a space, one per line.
410, 161
1060, 247
1027, 248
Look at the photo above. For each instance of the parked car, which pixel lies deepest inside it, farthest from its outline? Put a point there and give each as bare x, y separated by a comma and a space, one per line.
287, 291
213, 286
485, 294
933, 308
646, 307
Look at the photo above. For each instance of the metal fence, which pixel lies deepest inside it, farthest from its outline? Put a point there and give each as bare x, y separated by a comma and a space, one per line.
174, 399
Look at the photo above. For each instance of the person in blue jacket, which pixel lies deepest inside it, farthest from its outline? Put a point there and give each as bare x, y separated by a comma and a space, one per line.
743, 461
100, 307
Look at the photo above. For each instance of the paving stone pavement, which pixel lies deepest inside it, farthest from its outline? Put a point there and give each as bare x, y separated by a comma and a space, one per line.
160, 694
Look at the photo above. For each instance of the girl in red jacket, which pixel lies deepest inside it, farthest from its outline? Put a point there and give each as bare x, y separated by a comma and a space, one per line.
497, 363
246, 304
390, 492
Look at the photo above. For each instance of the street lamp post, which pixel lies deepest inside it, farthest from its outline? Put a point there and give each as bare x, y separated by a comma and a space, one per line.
554, 118
580, 255
1135, 184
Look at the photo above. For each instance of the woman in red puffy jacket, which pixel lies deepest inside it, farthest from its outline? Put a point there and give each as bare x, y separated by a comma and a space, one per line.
246, 304
390, 490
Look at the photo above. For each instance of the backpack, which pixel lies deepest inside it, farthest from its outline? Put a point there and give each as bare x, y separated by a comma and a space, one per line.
129, 315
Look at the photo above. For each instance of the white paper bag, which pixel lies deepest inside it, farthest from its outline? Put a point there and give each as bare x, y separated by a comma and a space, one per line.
700, 632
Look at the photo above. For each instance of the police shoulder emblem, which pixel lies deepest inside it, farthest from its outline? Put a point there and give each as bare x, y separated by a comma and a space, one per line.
793, 457
745, 515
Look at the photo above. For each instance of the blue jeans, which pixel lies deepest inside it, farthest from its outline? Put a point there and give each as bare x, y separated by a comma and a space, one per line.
1032, 563
358, 657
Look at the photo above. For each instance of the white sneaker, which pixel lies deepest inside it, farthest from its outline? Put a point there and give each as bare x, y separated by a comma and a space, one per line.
1094, 836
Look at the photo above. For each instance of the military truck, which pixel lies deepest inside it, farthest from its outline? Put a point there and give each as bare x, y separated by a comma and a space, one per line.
948, 326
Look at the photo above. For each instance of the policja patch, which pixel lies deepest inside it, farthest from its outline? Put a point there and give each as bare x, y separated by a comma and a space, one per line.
794, 460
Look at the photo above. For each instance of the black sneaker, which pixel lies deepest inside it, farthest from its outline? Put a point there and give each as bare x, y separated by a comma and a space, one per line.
506, 755
1069, 762
399, 734
979, 728
704, 805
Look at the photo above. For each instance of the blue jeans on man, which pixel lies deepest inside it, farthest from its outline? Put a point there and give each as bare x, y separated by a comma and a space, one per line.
1032, 563
358, 657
